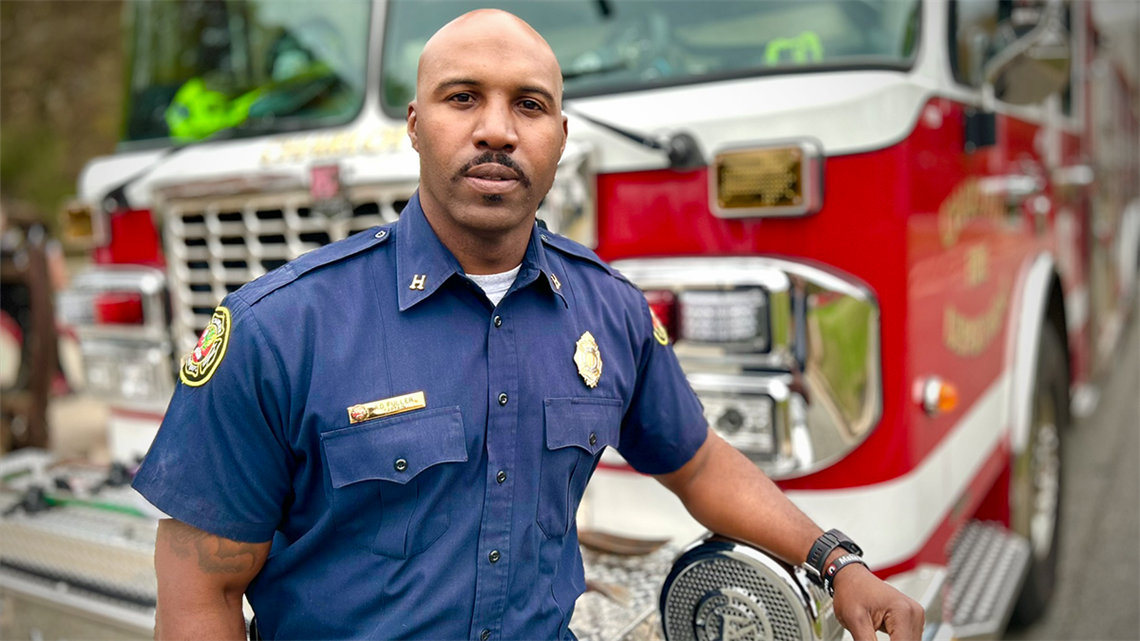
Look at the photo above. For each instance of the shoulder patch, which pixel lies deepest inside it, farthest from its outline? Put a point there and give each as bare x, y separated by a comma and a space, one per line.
200, 365
257, 289
659, 331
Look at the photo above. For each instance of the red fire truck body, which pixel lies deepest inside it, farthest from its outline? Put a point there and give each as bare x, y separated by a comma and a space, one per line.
874, 274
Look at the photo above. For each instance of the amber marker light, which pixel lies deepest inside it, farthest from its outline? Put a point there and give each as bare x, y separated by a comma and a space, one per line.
937, 396
80, 226
780, 180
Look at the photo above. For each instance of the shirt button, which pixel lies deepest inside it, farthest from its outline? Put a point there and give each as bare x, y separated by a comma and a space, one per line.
593, 438
501, 477
493, 557
498, 321
503, 398
485, 635
401, 465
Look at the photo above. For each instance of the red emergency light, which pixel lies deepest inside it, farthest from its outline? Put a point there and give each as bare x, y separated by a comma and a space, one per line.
134, 240
119, 308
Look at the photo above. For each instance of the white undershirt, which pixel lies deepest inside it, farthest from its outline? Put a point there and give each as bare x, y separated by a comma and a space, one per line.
495, 286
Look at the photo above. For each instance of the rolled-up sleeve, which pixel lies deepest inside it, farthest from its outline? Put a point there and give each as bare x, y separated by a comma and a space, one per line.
665, 424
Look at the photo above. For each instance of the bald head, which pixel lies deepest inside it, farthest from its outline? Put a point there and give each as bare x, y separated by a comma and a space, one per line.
487, 123
504, 32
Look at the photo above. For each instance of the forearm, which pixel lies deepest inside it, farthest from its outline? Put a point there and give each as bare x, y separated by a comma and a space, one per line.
201, 580
182, 616
758, 512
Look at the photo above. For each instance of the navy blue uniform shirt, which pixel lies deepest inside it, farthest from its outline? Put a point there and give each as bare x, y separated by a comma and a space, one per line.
435, 522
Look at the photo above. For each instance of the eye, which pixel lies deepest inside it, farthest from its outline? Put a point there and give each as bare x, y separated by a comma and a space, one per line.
531, 105
462, 98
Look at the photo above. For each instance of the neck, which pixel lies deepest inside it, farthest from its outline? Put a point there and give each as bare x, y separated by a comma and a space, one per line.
482, 251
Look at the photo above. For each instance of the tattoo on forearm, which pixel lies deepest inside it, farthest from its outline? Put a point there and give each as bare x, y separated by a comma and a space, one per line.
215, 554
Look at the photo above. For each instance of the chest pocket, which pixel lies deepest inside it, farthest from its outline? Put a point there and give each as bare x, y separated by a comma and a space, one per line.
577, 430
389, 482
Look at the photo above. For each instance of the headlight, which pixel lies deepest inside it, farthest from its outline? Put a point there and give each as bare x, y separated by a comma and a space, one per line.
784, 356
730, 316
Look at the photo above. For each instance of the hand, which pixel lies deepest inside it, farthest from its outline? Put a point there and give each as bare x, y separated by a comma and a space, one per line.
864, 604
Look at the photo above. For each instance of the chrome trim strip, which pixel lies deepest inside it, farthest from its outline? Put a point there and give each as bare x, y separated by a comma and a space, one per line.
106, 612
733, 271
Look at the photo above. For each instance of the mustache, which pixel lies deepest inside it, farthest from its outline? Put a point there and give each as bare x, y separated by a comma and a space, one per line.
498, 158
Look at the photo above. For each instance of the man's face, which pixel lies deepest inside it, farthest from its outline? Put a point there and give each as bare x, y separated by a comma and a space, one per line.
487, 123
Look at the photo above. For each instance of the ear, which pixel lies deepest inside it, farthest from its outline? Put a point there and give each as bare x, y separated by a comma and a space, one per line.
565, 134
412, 125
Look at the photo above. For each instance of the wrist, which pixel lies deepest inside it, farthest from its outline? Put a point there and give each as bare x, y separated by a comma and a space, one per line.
850, 574
839, 570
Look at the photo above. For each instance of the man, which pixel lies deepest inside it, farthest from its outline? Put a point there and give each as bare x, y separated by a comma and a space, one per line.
410, 416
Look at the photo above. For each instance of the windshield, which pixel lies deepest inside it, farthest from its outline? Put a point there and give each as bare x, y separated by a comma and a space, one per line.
201, 67
609, 46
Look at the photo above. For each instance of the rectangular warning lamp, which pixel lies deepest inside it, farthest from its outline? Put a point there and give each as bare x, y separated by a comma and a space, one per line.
779, 180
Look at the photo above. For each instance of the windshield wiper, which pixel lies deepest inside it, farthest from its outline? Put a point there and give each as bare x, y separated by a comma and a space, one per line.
682, 149
574, 74
116, 199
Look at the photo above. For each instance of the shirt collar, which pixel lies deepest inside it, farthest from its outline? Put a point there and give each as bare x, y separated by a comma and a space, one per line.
423, 263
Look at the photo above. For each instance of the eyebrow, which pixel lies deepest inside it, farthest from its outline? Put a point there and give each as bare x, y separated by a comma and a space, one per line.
468, 82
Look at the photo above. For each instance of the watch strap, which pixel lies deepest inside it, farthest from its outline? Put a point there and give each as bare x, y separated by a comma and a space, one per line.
823, 547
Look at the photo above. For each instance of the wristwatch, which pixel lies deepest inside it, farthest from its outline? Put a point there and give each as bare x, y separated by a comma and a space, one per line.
823, 547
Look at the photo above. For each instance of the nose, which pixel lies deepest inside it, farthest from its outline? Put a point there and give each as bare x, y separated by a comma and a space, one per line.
496, 127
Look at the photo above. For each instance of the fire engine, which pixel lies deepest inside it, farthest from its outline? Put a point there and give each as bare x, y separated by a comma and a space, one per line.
892, 243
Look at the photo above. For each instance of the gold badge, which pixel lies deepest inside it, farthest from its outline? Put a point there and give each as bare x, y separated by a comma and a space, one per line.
201, 364
588, 359
386, 407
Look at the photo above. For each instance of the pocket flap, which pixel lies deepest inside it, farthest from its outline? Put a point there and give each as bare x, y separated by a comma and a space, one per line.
395, 449
586, 423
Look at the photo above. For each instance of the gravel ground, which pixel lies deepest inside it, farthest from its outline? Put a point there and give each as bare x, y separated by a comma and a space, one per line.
1098, 596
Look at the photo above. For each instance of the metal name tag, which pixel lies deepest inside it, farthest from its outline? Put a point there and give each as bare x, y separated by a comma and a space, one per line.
386, 407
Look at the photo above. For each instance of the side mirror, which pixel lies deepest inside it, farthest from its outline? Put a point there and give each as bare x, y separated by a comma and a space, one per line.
1040, 70
1031, 67
1028, 70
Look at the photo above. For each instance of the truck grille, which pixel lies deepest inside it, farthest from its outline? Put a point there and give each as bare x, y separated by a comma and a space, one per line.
214, 246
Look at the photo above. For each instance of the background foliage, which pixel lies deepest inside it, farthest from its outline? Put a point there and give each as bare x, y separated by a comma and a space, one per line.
61, 90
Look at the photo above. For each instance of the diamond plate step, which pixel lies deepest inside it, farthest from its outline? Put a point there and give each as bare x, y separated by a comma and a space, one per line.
622, 601
988, 564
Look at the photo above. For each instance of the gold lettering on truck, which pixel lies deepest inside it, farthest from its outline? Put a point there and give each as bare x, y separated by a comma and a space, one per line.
322, 146
971, 335
969, 201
